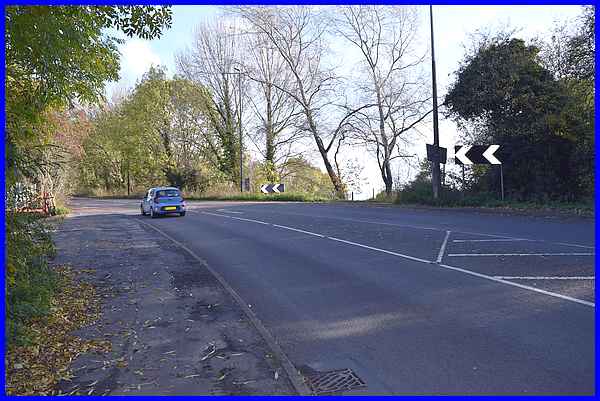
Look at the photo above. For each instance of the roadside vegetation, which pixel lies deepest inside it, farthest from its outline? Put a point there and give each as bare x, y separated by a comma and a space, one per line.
35, 367
536, 100
57, 62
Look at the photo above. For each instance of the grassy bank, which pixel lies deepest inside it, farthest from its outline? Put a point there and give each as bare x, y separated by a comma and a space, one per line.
421, 195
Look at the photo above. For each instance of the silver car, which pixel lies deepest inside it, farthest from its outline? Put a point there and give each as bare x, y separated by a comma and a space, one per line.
161, 201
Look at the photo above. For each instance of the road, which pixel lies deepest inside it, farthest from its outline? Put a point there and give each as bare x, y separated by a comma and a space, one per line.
412, 301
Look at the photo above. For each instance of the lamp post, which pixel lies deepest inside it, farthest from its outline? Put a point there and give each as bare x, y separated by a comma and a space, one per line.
239, 74
435, 168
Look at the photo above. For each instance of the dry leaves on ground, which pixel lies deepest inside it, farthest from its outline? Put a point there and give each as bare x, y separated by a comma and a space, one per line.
37, 368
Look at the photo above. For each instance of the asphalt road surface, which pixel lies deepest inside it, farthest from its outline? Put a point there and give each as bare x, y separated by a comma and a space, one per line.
412, 301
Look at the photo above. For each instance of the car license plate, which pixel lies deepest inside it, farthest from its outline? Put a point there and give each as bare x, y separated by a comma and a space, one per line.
170, 208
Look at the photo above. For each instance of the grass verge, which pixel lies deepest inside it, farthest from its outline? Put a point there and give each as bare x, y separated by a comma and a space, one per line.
420, 194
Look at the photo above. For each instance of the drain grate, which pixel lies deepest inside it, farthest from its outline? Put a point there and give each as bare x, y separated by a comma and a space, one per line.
334, 381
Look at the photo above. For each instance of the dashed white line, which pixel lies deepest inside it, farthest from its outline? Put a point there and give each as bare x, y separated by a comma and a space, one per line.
458, 269
577, 245
380, 250
215, 214
298, 230
250, 220
229, 211
546, 277
493, 240
443, 248
523, 254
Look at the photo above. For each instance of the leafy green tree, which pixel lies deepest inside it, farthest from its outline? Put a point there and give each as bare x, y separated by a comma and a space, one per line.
502, 94
569, 55
162, 133
56, 55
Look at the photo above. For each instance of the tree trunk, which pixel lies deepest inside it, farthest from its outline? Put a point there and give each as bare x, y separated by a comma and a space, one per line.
386, 174
338, 186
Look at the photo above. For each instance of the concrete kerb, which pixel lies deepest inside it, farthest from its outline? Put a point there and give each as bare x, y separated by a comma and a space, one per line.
296, 379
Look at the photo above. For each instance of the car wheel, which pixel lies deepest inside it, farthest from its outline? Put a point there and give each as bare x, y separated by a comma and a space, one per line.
152, 214
182, 214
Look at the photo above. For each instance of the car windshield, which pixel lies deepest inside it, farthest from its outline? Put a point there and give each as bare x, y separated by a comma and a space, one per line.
167, 193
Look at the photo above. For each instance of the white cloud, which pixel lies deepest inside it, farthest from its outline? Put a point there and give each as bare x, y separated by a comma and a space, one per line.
137, 58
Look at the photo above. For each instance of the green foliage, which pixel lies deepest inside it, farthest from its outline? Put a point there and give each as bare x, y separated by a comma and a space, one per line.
29, 280
504, 94
299, 175
55, 56
160, 134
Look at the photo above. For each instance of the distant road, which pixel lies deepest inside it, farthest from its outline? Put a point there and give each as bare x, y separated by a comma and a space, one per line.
412, 301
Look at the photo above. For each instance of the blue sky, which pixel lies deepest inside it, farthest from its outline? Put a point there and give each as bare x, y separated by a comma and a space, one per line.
452, 26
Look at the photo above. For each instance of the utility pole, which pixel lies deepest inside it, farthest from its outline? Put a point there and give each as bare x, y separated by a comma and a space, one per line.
239, 74
435, 167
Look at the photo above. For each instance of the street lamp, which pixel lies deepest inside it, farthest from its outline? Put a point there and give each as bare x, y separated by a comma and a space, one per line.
435, 168
239, 74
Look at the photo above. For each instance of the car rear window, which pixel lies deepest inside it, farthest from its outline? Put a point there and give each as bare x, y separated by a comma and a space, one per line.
167, 193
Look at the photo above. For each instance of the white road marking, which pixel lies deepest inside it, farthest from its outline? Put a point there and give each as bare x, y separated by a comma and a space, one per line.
250, 220
546, 277
215, 214
525, 287
443, 248
430, 228
493, 240
380, 250
298, 230
524, 254
458, 269
580, 246
229, 211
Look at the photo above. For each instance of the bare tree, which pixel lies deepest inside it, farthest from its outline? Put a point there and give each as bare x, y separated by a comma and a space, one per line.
385, 38
276, 113
297, 34
211, 62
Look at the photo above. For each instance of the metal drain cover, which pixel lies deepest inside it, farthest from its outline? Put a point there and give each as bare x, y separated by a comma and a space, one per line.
333, 381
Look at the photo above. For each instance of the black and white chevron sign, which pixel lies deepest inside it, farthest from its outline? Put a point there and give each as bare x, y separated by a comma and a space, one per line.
272, 188
476, 154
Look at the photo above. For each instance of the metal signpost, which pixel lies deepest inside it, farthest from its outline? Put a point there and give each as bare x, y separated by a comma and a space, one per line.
435, 163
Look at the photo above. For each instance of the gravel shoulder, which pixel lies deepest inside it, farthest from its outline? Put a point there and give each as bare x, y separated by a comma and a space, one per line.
173, 328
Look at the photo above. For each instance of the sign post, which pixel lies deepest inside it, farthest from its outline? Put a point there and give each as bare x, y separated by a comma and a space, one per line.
502, 182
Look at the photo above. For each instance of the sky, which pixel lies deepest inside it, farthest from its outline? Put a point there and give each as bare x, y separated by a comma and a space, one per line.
452, 26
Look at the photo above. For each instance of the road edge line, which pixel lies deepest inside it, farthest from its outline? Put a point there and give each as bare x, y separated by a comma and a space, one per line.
296, 379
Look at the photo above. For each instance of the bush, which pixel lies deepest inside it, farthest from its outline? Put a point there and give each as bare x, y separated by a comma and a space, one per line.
30, 283
420, 192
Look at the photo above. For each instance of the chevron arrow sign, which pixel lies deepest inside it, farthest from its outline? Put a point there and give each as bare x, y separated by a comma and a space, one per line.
272, 188
476, 154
